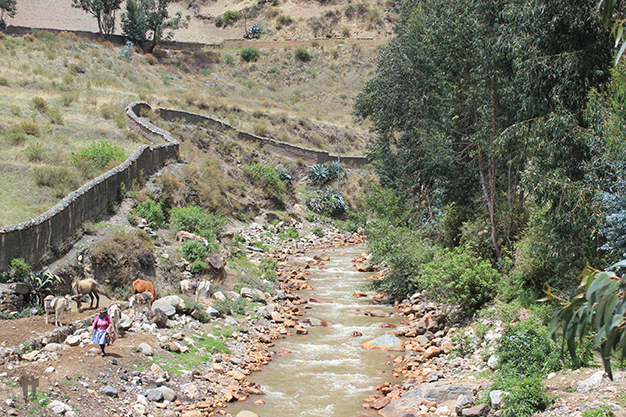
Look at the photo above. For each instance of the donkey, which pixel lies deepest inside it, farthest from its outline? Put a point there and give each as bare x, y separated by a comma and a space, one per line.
58, 305
86, 286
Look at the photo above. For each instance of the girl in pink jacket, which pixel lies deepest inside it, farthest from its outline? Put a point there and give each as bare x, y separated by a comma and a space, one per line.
99, 329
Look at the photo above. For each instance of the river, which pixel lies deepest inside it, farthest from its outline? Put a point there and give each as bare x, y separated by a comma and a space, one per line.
327, 372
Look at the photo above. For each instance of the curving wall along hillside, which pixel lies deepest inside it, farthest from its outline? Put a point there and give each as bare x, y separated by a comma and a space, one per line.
48, 232
310, 155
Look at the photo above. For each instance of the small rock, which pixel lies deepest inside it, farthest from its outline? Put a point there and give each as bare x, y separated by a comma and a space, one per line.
246, 413
110, 391
50, 369
463, 402
31, 356
10, 403
155, 394
478, 411
73, 340
146, 349
53, 347
492, 362
57, 407
168, 394
140, 409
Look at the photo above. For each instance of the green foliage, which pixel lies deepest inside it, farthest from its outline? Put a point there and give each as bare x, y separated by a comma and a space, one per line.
15, 135
454, 140
249, 53
18, 268
266, 178
92, 160
527, 395
230, 16
152, 211
197, 220
7, 8
151, 17
601, 411
228, 307
103, 11
600, 308
285, 176
285, 20
268, 267
40, 104
459, 276
60, 179
302, 54
194, 250
329, 202
318, 231
525, 350
319, 174
198, 267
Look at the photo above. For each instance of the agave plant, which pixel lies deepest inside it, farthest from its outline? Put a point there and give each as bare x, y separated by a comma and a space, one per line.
318, 175
336, 171
284, 175
41, 284
329, 201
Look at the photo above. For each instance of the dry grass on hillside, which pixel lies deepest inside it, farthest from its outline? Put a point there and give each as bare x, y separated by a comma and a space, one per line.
61, 94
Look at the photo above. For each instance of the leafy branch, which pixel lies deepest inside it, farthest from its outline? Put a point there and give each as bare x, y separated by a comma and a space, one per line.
600, 307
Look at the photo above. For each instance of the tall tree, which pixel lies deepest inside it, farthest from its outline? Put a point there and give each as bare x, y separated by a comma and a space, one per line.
481, 101
7, 8
103, 11
149, 20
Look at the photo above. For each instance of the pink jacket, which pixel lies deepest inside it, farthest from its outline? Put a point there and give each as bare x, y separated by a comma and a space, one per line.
101, 323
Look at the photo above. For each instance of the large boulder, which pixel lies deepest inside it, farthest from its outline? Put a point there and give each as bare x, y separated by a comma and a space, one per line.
165, 307
158, 317
411, 401
175, 301
385, 342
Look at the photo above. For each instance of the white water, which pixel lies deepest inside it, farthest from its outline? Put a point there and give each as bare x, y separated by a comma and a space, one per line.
327, 373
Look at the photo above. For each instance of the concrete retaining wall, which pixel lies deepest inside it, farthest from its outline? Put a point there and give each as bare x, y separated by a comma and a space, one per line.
48, 232
306, 154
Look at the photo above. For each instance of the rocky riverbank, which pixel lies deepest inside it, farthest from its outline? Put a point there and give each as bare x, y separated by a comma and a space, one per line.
214, 359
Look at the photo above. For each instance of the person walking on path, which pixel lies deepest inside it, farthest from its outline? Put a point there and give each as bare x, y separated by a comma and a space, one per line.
99, 329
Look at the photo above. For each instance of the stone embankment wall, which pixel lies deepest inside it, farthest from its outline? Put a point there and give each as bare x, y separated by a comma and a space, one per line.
47, 232
306, 154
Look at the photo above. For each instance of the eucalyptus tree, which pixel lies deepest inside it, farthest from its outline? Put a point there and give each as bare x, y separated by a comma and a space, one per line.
479, 103
149, 20
103, 11
7, 8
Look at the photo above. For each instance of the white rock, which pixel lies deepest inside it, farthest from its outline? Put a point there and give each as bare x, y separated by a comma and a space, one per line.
140, 409
146, 349
592, 383
141, 399
57, 407
495, 397
73, 340
49, 369
53, 347
442, 411
31, 356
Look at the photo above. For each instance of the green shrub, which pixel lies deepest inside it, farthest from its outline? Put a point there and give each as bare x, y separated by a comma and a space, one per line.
18, 268
459, 276
4, 82
194, 250
336, 170
302, 54
268, 267
152, 211
228, 59
227, 307
198, 267
318, 231
93, 160
526, 349
265, 178
197, 220
249, 53
526, 395
285, 176
55, 116
231, 17
219, 21
61, 179
285, 20
602, 411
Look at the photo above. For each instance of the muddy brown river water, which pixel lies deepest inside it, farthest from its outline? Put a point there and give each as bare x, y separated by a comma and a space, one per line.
328, 373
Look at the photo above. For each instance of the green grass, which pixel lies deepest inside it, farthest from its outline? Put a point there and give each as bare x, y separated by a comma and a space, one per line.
180, 362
